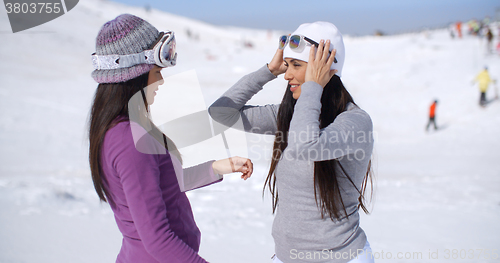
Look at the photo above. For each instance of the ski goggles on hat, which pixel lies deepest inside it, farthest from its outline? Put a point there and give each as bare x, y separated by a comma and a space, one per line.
163, 54
298, 43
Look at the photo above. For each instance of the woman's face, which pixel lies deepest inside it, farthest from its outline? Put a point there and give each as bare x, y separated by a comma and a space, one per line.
154, 80
295, 75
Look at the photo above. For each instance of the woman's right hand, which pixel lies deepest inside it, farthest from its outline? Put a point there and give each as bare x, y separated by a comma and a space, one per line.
232, 165
277, 65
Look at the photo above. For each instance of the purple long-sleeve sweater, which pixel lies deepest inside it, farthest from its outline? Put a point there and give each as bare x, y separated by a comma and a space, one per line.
151, 209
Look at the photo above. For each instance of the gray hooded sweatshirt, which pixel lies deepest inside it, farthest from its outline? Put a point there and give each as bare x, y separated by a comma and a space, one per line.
299, 231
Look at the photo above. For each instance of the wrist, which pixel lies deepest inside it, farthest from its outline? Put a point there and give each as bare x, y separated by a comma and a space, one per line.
216, 171
313, 80
273, 70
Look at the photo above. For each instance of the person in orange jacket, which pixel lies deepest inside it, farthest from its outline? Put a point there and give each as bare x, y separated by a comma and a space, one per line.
432, 116
459, 28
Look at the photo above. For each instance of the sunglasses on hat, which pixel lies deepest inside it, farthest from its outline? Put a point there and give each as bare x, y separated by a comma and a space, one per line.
163, 54
298, 43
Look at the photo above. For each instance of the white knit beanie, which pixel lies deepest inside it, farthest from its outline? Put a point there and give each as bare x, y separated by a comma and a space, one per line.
317, 31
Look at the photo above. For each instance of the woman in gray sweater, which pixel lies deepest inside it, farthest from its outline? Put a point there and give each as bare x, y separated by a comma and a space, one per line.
322, 149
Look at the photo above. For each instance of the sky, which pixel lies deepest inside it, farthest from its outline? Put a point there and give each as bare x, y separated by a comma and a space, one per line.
353, 17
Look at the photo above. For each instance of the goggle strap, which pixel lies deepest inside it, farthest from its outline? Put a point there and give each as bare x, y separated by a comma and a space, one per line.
122, 61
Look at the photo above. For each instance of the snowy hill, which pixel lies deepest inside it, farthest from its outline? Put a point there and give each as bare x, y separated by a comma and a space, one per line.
434, 191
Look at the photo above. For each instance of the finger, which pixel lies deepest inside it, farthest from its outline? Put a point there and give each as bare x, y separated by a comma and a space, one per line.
244, 169
331, 58
279, 54
241, 164
248, 169
319, 53
311, 53
250, 166
326, 50
248, 174
332, 72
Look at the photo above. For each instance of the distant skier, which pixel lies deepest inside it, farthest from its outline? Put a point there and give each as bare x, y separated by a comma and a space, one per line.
484, 80
432, 116
459, 29
473, 27
489, 38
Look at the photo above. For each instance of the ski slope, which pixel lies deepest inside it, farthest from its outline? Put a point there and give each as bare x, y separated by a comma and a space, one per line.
434, 192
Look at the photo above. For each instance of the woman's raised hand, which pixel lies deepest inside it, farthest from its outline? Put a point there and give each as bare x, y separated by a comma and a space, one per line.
318, 67
232, 165
277, 65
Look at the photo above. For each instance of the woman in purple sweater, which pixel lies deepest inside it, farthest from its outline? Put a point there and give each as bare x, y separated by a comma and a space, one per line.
134, 166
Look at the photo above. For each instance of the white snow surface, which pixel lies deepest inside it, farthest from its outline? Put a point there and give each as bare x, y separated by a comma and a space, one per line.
435, 192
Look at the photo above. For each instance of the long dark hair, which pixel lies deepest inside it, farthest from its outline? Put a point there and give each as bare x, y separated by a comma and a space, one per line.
110, 107
334, 101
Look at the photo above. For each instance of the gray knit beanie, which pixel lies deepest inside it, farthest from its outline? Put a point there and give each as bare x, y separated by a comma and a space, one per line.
124, 35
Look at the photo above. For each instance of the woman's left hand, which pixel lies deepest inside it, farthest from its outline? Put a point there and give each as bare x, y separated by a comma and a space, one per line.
234, 164
318, 67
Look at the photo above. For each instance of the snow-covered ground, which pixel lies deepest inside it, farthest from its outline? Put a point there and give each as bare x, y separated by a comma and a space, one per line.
434, 192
